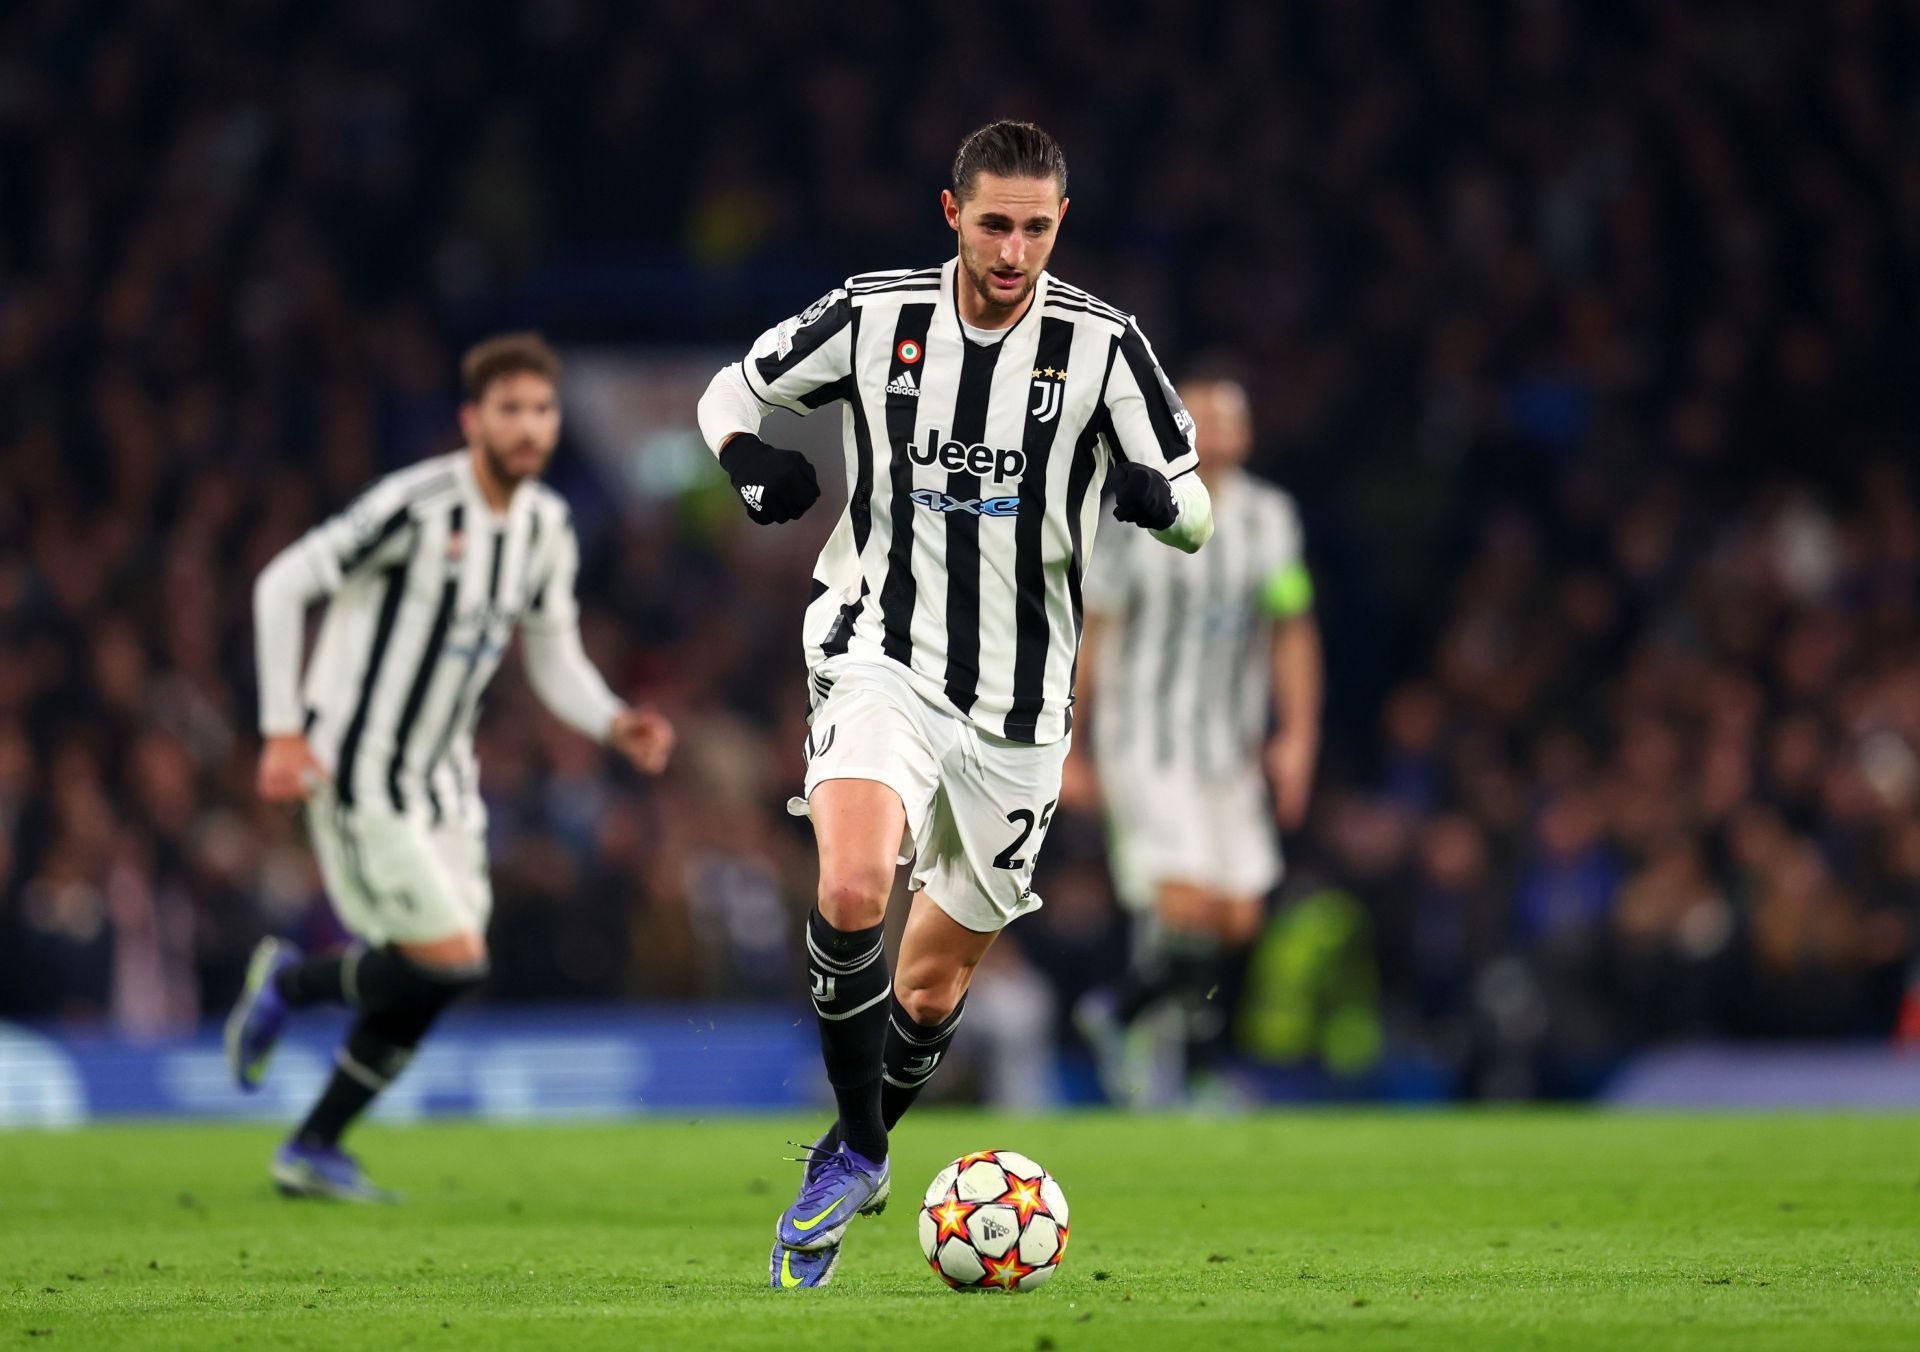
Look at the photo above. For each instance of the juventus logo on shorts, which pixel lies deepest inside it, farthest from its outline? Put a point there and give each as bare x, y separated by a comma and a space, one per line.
826, 741
1047, 386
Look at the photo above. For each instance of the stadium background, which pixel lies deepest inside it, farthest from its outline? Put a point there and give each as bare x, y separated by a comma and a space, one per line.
1583, 334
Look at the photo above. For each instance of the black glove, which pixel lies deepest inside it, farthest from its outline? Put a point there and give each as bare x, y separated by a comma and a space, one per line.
1143, 496
776, 485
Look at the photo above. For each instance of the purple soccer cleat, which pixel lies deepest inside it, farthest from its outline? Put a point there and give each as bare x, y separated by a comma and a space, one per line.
838, 1188
300, 1169
796, 1269
260, 1015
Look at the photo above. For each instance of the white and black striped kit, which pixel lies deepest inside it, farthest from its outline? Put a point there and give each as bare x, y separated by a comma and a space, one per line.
1183, 674
434, 583
974, 472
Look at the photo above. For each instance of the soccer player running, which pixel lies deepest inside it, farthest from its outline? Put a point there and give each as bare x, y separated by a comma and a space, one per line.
984, 402
1190, 662
425, 576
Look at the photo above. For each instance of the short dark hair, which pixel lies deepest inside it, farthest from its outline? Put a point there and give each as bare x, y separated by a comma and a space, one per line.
507, 354
1008, 149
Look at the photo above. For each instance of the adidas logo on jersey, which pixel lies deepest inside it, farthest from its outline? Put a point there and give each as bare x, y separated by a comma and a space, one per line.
754, 494
903, 384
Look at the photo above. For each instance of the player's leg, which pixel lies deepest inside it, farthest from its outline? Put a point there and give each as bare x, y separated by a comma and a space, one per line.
1164, 950
418, 898
871, 775
1244, 858
1236, 923
973, 876
858, 824
938, 956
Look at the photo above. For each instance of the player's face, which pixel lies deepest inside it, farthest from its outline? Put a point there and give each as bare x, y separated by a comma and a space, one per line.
1222, 423
515, 425
1007, 229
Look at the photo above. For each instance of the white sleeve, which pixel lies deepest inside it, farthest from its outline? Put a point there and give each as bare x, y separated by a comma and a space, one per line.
568, 683
299, 575
373, 531
730, 406
800, 363
1193, 526
1145, 421
558, 668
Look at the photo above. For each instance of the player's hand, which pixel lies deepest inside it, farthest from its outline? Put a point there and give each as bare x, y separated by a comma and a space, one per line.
776, 485
288, 770
1290, 766
1079, 784
644, 736
1143, 497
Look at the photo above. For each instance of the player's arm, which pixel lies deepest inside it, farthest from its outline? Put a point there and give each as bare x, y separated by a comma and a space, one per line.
1298, 681
1151, 431
800, 364
565, 679
1104, 594
1079, 785
312, 568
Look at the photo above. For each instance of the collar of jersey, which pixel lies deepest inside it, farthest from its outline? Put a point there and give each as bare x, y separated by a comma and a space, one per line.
470, 484
952, 271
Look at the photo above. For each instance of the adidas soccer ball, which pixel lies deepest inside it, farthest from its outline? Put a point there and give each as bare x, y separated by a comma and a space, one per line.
993, 1220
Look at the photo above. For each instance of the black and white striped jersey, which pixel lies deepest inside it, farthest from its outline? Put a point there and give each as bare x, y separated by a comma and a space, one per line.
975, 462
1183, 674
426, 584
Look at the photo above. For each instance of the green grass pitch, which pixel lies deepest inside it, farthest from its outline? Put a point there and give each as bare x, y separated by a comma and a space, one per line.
1523, 1229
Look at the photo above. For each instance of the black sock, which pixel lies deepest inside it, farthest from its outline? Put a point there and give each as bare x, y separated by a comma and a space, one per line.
377, 1049
1199, 971
913, 1052
399, 1001
1149, 976
848, 970
313, 982
1140, 990
373, 979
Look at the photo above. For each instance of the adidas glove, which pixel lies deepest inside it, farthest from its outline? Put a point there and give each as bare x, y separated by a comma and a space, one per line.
776, 485
1143, 497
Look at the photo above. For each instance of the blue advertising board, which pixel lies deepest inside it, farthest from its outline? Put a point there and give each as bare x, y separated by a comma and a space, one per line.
499, 1064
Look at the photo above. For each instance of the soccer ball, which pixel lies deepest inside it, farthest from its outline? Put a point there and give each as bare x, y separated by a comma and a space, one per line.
993, 1220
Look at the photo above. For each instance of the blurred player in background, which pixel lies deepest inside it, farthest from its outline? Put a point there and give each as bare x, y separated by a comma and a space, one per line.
425, 577
986, 402
1188, 664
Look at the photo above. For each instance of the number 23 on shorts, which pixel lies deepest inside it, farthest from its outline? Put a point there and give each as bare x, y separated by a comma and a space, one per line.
1010, 858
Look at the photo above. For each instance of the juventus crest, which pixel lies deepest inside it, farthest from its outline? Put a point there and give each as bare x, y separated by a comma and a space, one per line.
1048, 384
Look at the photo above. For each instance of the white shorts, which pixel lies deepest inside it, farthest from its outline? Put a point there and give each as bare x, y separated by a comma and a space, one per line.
397, 879
1180, 827
978, 805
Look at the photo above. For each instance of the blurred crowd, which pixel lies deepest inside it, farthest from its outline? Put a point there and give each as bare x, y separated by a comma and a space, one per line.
1659, 780
1584, 334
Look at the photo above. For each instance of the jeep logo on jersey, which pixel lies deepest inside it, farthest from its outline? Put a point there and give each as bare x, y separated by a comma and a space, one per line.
975, 459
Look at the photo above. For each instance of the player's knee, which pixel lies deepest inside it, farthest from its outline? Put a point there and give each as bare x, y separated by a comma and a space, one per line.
433, 976
456, 951
1184, 908
929, 994
1240, 923
447, 983
854, 899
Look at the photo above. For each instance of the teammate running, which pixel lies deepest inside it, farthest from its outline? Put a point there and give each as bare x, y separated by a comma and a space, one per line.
985, 402
426, 577
1189, 664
